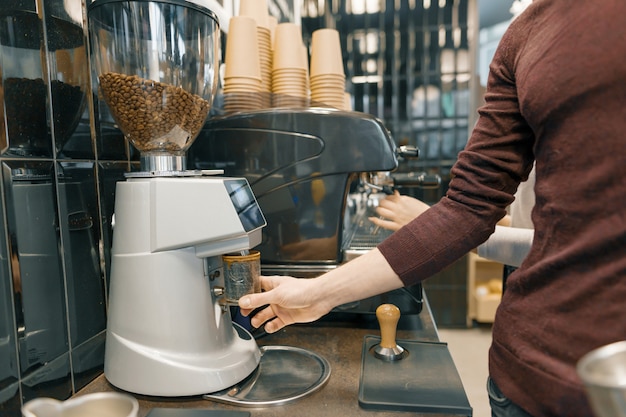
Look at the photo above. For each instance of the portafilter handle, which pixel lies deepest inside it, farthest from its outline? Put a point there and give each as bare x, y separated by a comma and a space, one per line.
416, 179
391, 181
413, 179
388, 316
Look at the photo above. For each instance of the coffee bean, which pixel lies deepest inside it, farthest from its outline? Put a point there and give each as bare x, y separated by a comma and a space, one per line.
153, 116
25, 104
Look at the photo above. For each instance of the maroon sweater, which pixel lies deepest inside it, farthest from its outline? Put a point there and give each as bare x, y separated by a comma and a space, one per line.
556, 94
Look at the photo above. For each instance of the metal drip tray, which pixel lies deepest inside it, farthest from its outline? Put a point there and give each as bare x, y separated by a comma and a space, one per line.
284, 374
362, 235
366, 238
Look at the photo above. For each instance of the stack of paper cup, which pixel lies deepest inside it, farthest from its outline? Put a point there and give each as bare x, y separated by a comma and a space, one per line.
289, 68
305, 63
242, 77
347, 101
272, 23
327, 78
258, 10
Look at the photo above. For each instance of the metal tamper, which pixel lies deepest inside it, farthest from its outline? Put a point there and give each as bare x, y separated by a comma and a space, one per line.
388, 350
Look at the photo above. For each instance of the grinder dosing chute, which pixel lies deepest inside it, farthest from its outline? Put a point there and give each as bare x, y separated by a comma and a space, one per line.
169, 330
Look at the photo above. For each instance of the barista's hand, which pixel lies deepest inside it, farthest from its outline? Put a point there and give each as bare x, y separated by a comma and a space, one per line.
288, 300
397, 210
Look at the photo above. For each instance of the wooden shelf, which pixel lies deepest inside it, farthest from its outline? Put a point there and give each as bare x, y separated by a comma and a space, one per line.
481, 306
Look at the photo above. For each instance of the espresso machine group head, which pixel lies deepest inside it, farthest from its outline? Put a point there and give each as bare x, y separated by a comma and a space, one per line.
169, 330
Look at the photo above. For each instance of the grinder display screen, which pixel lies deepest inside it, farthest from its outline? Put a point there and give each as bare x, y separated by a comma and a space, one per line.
247, 208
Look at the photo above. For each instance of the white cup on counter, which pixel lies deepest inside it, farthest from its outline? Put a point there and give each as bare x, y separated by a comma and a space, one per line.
100, 404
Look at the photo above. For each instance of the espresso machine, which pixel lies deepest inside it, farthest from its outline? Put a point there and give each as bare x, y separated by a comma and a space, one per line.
169, 330
317, 174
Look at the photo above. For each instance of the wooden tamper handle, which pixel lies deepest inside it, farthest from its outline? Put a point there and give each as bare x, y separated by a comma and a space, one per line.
388, 316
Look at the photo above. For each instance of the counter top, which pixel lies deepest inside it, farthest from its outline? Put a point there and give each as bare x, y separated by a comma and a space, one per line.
339, 341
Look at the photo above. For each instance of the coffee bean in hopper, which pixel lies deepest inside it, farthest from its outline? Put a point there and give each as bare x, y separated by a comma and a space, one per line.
153, 116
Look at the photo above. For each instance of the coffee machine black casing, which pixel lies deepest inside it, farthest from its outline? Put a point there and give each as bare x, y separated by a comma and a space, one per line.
301, 164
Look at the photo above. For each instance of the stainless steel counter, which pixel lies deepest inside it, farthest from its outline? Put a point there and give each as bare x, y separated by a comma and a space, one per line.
340, 341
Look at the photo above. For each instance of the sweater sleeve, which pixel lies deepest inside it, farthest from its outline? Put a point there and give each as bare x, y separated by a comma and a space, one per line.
498, 156
507, 245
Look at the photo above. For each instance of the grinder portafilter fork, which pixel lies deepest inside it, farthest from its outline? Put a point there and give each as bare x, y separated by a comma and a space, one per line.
388, 316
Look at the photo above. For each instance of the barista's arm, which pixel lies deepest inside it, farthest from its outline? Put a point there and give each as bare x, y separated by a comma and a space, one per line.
397, 210
301, 300
507, 245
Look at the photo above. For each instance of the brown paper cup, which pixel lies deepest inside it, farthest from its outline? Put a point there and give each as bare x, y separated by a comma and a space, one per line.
257, 9
347, 101
326, 57
272, 23
242, 50
288, 47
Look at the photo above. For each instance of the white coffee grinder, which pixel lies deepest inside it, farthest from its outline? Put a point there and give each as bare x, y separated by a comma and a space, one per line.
169, 328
